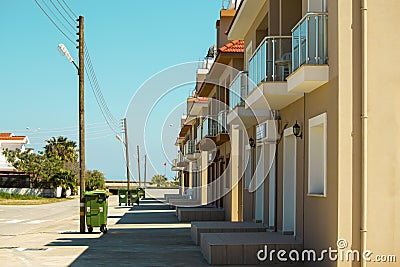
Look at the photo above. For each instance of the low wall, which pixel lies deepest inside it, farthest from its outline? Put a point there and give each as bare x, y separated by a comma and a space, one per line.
159, 192
35, 191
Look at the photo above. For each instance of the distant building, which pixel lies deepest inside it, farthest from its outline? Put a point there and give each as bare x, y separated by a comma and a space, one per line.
11, 142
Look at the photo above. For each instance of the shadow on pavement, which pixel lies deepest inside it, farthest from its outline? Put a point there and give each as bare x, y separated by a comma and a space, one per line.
147, 235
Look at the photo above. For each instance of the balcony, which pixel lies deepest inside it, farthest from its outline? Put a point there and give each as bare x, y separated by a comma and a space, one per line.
191, 153
175, 167
222, 135
268, 67
210, 126
180, 160
238, 91
310, 53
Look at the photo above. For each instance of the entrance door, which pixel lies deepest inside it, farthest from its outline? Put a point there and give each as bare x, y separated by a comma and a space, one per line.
289, 182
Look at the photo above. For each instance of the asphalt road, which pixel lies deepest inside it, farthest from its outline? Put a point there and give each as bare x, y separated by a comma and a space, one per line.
26, 234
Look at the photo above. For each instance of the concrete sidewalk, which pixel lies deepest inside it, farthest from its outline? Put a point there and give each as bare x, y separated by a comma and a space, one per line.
145, 235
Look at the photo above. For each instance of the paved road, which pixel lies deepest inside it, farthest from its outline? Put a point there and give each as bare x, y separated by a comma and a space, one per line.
27, 231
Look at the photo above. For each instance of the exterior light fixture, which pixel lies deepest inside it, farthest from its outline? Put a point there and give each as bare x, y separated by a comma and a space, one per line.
297, 130
252, 143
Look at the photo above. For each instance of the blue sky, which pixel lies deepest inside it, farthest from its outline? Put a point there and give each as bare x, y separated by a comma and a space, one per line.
129, 42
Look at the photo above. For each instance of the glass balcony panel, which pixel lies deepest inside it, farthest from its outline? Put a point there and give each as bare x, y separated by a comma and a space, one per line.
295, 48
309, 40
210, 125
271, 61
238, 90
199, 133
222, 122
303, 42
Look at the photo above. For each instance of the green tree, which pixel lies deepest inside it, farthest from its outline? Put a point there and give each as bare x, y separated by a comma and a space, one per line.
61, 148
64, 178
159, 180
94, 180
53, 167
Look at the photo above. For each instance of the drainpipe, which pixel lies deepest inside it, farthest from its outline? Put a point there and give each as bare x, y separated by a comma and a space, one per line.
364, 125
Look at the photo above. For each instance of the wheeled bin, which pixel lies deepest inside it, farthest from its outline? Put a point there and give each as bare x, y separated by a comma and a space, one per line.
96, 209
122, 196
134, 196
141, 193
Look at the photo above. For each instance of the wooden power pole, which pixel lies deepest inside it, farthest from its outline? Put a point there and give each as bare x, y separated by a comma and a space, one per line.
138, 160
128, 173
82, 168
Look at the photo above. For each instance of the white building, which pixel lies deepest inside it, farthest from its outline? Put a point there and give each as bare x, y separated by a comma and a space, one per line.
11, 142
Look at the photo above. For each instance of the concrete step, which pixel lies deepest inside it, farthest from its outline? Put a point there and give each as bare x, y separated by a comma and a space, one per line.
188, 214
223, 227
242, 248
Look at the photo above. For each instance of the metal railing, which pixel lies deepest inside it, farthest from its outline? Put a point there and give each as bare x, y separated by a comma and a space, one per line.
310, 40
199, 133
238, 90
210, 125
271, 61
222, 127
180, 157
190, 147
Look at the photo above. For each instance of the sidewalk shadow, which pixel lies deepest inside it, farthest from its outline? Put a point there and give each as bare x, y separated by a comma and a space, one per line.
138, 239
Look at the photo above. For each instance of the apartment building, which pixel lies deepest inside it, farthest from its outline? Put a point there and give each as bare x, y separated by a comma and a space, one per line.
310, 148
318, 65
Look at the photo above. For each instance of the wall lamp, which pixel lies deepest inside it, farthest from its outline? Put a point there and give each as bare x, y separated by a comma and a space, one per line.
297, 130
252, 143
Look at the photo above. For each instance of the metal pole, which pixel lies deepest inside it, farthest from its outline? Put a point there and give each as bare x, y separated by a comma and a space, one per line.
145, 171
82, 168
138, 160
128, 176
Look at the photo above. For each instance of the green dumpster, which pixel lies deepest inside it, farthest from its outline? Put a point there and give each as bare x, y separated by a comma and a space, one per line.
122, 196
135, 196
96, 209
141, 193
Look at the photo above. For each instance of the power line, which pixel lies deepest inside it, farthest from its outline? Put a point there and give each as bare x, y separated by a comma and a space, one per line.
109, 118
72, 26
55, 24
69, 9
99, 95
66, 12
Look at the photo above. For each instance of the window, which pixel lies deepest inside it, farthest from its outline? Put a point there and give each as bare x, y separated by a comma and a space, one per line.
317, 147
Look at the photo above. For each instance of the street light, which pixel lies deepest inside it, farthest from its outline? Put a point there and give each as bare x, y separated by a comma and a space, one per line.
64, 51
81, 74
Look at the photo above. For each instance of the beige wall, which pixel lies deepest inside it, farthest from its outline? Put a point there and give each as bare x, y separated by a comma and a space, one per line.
383, 128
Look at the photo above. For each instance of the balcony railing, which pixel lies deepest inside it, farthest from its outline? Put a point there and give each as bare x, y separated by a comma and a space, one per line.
210, 126
180, 158
271, 61
190, 147
238, 90
199, 133
174, 162
309, 40
222, 127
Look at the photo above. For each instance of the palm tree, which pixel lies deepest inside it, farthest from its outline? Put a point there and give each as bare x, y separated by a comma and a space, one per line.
159, 179
61, 148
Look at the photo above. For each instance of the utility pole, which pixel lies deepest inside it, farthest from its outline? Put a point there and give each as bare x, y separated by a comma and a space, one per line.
138, 160
128, 174
145, 171
82, 168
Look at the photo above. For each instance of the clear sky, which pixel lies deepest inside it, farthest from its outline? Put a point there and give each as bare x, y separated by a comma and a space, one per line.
129, 41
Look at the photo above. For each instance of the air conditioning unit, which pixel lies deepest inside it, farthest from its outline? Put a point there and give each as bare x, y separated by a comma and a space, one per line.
267, 131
